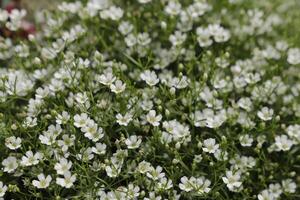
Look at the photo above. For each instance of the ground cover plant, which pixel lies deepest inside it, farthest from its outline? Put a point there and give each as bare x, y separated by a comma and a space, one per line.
153, 100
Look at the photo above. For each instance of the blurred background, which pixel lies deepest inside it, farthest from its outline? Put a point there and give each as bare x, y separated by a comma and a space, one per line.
287, 9
30, 5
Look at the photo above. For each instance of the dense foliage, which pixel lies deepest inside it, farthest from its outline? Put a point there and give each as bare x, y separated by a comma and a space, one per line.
152, 99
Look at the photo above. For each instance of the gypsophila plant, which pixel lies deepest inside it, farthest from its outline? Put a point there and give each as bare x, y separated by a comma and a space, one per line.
152, 100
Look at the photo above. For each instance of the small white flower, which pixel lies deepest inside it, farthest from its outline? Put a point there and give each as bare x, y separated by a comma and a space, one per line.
246, 140
13, 142
275, 189
152, 118
3, 189
4, 15
173, 8
29, 159
294, 131
113, 13
293, 56
265, 195
125, 27
283, 143
210, 146
107, 78
48, 53
62, 118
156, 174
118, 87
232, 180
124, 120
66, 142
85, 154
67, 181
289, 186
42, 182
245, 103
92, 131
30, 122
143, 39
150, 77
48, 138
62, 166
10, 164
144, 167
265, 114
199, 185
99, 149
177, 38
130, 40
80, 120
133, 142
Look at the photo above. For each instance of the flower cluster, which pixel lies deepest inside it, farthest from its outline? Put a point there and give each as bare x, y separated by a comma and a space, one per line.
152, 100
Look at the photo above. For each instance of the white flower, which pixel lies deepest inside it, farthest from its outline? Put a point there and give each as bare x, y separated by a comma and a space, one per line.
92, 131
66, 142
275, 189
245, 103
164, 184
80, 120
3, 189
118, 87
125, 27
156, 174
124, 120
133, 142
113, 13
130, 40
173, 8
216, 120
144, 167
62, 118
283, 143
152, 118
10, 164
107, 78
29, 159
152, 196
265, 195
3, 15
67, 181
177, 38
48, 53
232, 180
246, 140
143, 39
85, 154
82, 99
42, 182
30, 122
150, 77
13, 142
294, 131
293, 56
289, 186
203, 37
99, 149
265, 114
112, 171
48, 138
210, 146
199, 185
62, 166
